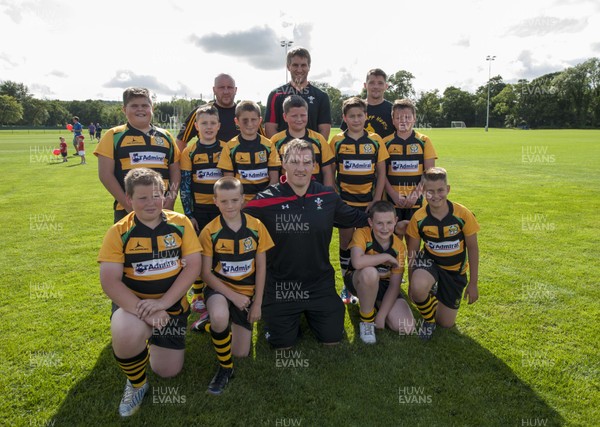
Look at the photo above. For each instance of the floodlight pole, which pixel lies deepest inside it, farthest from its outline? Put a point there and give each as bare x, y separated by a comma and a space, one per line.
286, 44
489, 58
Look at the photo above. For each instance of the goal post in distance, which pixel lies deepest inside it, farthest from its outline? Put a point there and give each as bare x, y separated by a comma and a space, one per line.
457, 124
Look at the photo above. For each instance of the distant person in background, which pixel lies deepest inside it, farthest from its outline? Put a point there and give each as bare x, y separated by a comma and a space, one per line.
77, 130
81, 149
92, 130
319, 109
98, 131
63, 148
224, 90
379, 109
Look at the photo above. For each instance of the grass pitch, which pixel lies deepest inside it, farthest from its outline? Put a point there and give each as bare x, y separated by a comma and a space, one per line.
526, 354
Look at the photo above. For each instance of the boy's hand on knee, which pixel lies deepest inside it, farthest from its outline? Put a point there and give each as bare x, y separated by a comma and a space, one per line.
146, 307
158, 320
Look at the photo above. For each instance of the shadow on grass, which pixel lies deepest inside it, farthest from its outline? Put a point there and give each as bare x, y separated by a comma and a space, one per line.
451, 380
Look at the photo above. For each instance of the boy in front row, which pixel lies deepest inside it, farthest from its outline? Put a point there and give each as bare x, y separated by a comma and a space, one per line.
449, 234
234, 268
148, 261
375, 274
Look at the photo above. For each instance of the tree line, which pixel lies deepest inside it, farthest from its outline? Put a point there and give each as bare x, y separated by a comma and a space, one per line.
564, 99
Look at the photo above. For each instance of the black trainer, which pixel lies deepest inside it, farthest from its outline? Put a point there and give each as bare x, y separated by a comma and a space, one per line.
220, 380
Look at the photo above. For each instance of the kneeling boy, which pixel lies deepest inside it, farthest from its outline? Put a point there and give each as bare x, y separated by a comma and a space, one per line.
375, 274
234, 268
148, 261
449, 234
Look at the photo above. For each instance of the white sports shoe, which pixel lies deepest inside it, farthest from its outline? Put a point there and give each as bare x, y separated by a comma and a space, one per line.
367, 332
132, 399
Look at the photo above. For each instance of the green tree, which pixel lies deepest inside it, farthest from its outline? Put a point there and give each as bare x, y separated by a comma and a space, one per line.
58, 115
336, 99
34, 112
458, 105
429, 109
400, 86
17, 90
10, 110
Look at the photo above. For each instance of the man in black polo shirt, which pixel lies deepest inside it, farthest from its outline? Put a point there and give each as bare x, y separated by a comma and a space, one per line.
299, 214
319, 109
224, 91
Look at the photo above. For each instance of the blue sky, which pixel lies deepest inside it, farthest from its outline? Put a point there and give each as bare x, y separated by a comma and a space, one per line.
94, 49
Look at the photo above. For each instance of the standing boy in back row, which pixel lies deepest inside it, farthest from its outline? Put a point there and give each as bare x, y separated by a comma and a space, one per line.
137, 144
249, 156
411, 153
449, 234
360, 171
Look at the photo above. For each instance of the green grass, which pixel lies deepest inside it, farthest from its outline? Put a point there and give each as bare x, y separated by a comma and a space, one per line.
525, 354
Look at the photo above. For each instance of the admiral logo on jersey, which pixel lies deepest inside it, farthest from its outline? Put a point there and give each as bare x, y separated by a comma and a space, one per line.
155, 266
357, 165
147, 158
444, 247
254, 175
236, 269
206, 174
405, 165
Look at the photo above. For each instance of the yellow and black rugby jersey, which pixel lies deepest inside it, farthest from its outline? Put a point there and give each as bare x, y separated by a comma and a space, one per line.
363, 238
201, 160
323, 154
250, 161
356, 161
131, 148
404, 167
444, 241
151, 258
233, 252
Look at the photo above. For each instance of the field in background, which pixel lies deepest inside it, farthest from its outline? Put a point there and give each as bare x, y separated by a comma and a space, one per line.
525, 355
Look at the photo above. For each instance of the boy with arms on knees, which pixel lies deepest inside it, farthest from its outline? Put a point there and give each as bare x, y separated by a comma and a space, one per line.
411, 153
449, 234
137, 144
249, 156
295, 114
199, 173
375, 273
148, 261
234, 268
360, 170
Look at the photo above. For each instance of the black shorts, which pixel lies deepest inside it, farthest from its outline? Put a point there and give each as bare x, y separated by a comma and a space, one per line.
407, 213
171, 335
450, 285
237, 316
204, 217
325, 316
383, 286
63, 154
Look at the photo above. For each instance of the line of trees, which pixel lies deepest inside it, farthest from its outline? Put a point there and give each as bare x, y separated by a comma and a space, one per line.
564, 99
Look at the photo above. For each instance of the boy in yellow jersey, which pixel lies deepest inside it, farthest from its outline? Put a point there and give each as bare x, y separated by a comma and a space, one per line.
199, 173
250, 157
137, 144
375, 274
295, 114
360, 170
411, 153
148, 261
234, 260
449, 234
